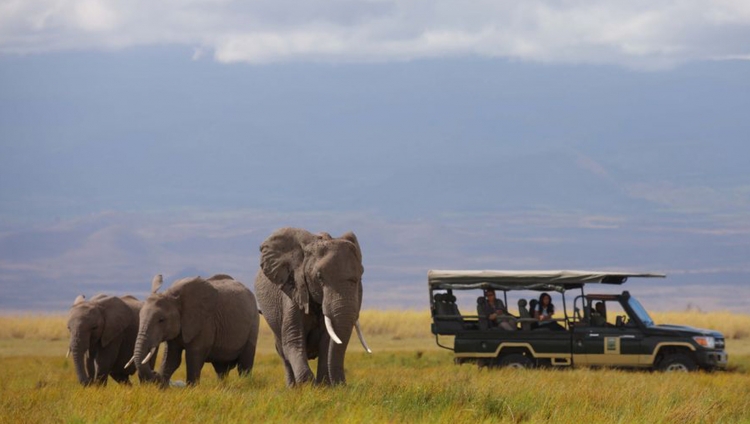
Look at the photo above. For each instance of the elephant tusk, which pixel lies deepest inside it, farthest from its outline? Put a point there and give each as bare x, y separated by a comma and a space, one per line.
150, 354
130, 361
361, 337
329, 327
67, 355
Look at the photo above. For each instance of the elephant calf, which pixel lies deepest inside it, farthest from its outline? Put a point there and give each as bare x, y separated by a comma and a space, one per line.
102, 337
213, 320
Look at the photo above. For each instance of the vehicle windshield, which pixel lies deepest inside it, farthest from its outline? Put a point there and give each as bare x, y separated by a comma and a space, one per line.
641, 312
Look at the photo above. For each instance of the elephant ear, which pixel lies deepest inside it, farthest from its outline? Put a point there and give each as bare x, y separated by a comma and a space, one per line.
198, 303
349, 236
282, 257
358, 252
117, 318
156, 283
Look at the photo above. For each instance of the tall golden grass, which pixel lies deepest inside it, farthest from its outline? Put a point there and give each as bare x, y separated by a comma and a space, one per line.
733, 326
390, 387
396, 324
403, 381
34, 326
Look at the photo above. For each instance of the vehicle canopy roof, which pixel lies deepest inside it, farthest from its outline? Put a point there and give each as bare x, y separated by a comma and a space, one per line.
525, 280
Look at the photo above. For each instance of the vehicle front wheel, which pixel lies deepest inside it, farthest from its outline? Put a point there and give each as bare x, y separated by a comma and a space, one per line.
677, 362
516, 360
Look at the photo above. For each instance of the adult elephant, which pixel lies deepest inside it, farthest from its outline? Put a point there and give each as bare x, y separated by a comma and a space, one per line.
213, 320
309, 288
102, 337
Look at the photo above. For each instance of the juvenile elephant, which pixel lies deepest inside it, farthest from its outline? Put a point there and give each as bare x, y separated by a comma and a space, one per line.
102, 336
309, 288
213, 320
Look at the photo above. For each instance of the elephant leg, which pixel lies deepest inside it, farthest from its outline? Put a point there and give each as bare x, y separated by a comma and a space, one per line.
101, 379
106, 357
90, 364
324, 377
222, 369
293, 346
97, 371
170, 363
296, 359
121, 378
194, 360
288, 371
101, 373
247, 358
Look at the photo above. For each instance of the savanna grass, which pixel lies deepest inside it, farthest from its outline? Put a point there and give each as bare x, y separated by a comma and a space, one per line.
407, 379
395, 324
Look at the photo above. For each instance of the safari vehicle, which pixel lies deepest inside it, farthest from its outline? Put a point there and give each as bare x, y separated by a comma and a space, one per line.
588, 338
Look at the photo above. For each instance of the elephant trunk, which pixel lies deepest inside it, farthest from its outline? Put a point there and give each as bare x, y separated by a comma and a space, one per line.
342, 325
78, 348
141, 355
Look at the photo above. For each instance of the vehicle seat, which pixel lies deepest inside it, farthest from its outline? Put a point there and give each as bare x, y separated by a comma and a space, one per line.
484, 321
524, 313
447, 318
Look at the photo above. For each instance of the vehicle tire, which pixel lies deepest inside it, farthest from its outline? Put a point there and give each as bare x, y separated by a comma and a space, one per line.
677, 362
516, 360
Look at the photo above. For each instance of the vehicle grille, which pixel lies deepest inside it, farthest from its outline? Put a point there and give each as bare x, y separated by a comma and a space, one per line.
719, 343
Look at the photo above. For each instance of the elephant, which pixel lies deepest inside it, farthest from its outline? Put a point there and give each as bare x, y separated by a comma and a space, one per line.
102, 337
213, 320
309, 289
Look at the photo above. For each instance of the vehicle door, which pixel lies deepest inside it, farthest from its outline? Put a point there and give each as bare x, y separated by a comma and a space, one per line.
615, 340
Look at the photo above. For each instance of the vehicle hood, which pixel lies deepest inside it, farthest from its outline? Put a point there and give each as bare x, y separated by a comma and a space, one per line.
683, 329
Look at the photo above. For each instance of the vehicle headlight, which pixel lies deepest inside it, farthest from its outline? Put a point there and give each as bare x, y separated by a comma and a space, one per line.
707, 342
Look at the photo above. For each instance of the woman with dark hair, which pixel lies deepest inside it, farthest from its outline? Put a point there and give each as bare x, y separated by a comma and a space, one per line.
544, 311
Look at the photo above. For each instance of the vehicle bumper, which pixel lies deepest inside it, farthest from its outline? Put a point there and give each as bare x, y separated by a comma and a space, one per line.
713, 359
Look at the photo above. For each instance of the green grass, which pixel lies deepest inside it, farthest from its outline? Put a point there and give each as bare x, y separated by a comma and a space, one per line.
407, 379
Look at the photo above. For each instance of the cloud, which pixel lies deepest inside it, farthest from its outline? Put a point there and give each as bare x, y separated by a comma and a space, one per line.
692, 198
636, 34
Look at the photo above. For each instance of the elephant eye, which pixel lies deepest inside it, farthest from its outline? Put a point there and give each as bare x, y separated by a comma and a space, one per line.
95, 327
161, 319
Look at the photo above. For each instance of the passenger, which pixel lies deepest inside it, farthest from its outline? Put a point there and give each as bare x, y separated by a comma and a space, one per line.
494, 310
544, 311
599, 315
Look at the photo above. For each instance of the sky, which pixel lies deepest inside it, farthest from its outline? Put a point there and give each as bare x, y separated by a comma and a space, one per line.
170, 137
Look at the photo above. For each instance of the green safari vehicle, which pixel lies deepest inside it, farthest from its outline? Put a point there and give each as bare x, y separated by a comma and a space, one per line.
608, 330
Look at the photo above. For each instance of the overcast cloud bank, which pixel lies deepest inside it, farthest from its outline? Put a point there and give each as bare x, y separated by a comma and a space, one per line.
637, 34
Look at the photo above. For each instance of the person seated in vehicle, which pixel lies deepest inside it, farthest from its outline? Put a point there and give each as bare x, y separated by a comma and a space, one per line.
494, 311
544, 311
599, 315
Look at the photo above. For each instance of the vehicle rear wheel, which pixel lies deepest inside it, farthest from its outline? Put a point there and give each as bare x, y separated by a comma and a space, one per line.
677, 362
516, 360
